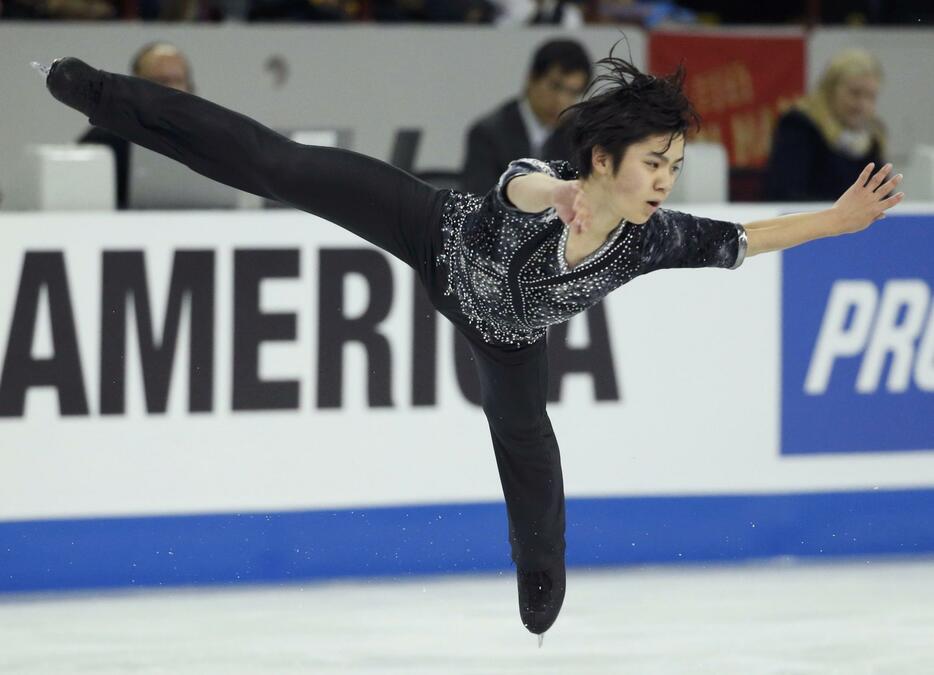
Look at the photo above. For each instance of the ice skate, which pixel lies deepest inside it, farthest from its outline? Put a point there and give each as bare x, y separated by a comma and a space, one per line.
541, 595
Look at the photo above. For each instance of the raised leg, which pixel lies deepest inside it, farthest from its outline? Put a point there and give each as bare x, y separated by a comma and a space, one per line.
386, 206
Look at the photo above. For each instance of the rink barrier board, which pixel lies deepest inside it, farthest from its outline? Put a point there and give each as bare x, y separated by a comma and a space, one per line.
857, 328
269, 544
401, 541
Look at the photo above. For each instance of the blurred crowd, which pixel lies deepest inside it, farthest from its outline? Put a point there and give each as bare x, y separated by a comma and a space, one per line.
822, 141
566, 13
819, 141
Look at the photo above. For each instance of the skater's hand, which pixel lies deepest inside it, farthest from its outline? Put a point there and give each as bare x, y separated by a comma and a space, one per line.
867, 200
571, 205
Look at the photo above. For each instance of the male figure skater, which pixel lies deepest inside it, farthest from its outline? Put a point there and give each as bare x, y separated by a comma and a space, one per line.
549, 241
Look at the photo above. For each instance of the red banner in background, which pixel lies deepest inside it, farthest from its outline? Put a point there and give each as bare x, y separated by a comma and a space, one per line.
739, 85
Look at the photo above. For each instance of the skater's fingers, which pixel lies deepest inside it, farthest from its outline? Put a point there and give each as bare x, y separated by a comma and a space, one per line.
880, 176
889, 185
892, 201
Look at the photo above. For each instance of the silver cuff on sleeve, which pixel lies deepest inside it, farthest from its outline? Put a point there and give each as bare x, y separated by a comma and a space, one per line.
741, 244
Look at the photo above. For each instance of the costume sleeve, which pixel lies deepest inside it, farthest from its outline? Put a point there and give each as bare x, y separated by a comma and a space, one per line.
674, 239
521, 167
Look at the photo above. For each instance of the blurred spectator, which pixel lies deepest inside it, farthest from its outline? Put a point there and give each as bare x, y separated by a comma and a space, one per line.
59, 9
528, 126
437, 11
914, 12
645, 13
849, 12
564, 13
299, 10
159, 62
829, 136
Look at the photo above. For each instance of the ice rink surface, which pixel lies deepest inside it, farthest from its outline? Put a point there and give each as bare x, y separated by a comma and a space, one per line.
852, 618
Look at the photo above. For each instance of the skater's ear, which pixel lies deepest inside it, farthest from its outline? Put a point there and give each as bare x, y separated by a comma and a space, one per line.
601, 161
606, 162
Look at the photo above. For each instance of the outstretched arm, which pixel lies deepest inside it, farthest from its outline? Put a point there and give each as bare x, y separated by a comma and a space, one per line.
865, 202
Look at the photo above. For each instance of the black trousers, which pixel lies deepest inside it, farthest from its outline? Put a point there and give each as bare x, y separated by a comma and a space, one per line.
401, 215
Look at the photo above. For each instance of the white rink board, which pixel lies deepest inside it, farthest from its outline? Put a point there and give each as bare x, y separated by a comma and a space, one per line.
696, 356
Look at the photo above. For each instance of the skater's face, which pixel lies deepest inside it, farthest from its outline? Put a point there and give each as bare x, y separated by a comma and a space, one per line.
646, 175
553, 91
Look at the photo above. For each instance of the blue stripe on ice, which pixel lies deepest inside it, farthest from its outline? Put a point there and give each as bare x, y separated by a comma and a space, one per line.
396, 541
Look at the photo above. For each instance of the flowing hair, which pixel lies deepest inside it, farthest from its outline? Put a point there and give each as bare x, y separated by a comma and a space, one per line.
623, 106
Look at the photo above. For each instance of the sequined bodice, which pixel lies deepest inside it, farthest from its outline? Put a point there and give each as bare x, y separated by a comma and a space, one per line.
509, 271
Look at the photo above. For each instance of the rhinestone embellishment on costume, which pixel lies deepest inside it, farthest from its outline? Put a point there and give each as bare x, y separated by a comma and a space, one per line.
508, 268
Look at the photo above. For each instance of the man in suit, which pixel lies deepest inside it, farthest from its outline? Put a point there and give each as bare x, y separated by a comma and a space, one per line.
528, 126
158, 62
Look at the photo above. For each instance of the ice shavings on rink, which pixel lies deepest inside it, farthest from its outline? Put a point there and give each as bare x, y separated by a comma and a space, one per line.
852, 618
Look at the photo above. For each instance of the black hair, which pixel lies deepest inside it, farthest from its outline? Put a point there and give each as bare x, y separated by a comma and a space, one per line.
568, 55
623, 106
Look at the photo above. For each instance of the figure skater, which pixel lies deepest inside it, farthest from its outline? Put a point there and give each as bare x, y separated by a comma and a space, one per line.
547, 242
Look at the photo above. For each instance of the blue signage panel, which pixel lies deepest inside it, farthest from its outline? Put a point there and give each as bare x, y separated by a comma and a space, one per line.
858, 341
180, 550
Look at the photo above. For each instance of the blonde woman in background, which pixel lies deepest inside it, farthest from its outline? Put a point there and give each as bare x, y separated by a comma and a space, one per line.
829, 135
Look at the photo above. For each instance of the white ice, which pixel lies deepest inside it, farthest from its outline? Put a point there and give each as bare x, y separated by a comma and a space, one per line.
853, 618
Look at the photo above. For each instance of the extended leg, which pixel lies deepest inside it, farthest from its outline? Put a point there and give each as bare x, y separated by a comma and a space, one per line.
374, 200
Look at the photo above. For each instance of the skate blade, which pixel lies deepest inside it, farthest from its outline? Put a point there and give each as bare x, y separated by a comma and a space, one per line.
541, 639
43, 70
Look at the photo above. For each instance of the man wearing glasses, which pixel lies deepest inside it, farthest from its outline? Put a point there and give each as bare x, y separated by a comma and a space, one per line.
528, 126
